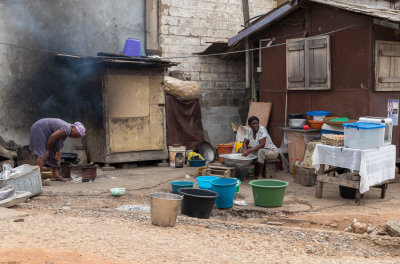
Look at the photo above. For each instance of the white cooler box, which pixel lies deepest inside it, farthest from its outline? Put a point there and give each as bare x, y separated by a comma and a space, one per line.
363, 135
25, 178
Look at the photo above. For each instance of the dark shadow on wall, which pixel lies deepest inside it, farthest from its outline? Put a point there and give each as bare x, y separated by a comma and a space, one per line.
33, 84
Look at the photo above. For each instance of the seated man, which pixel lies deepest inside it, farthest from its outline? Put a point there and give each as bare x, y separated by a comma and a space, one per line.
259, 142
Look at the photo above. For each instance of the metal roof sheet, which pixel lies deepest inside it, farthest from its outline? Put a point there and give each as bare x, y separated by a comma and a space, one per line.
116, 59
367, 8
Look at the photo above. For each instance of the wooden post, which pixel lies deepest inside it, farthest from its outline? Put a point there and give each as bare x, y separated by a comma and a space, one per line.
320, 185
152, 25
246, 12
383, 190
358, 196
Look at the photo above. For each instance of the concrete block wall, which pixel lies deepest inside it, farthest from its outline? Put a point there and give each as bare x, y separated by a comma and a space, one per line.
32, 84
187, 27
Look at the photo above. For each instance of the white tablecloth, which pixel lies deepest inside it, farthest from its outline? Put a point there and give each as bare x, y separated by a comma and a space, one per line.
374, 165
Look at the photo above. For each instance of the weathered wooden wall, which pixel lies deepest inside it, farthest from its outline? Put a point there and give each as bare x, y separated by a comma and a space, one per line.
352, 70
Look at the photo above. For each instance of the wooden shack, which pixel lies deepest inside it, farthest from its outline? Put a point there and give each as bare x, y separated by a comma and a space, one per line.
125, 107
326, 55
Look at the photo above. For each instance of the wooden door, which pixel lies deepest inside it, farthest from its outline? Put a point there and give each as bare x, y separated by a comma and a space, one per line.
134, 113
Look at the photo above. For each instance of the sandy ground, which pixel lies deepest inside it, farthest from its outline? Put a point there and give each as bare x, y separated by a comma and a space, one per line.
78, 223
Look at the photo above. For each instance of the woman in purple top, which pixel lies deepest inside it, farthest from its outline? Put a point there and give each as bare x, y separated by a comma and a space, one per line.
47, 139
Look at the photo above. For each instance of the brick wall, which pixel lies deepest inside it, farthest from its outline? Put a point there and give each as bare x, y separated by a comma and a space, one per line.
185, 28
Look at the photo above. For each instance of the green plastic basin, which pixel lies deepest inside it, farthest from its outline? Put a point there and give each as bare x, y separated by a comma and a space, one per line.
268, 193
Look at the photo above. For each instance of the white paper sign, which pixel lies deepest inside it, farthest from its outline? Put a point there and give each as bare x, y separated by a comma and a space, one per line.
393, 110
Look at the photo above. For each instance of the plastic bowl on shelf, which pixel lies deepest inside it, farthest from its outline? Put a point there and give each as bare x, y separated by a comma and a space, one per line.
316, 124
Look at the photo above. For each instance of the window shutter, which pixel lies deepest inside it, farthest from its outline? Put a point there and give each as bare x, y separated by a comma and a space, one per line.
295, 65
308, 64
387, 66
319, 64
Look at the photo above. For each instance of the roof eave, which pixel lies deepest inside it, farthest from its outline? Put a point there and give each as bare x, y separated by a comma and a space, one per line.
281, 11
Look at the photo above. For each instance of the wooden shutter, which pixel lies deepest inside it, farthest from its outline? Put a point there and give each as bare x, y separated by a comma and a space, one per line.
295, 65
387, 66
308, 64
319, 64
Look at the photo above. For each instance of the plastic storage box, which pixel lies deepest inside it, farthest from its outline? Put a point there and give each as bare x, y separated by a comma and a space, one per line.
25, 178
363, 135
388, 122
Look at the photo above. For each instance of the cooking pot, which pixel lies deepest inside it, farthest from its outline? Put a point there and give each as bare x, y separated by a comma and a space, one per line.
69, 156
295, 116
207, 151
297, 123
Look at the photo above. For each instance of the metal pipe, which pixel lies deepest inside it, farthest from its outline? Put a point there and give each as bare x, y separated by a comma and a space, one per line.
286, 108
259, 50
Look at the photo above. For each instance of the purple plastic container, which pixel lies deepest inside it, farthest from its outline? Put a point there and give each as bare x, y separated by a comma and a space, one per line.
132, 47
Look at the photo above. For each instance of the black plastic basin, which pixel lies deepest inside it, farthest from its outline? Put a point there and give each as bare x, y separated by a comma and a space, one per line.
197, 202
347, 192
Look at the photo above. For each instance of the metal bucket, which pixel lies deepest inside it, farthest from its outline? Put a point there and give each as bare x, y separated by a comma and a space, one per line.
164, 208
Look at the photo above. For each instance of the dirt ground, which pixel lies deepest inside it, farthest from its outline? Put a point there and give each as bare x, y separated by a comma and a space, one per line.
79, 223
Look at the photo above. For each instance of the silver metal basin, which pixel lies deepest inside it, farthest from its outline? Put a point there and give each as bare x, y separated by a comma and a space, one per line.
237, 160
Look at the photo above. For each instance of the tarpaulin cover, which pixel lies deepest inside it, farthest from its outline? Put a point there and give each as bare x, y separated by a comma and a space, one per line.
184, 125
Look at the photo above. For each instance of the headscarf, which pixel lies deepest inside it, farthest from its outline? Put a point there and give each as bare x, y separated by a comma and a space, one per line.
80, 128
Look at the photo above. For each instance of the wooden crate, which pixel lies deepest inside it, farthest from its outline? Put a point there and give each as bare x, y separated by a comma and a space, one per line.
222, 171
305, 176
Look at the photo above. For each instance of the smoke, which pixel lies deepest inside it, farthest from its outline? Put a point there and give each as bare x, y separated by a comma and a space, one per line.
33, 83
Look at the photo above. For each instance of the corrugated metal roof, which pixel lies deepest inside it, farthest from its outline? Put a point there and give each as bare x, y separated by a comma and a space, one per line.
369, 8
116, 59
265, 21
215, 47
222, 48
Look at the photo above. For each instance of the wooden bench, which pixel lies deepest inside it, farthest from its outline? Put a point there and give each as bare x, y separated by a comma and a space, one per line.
270, 168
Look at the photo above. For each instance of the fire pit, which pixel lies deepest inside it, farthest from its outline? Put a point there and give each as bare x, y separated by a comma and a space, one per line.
67, 161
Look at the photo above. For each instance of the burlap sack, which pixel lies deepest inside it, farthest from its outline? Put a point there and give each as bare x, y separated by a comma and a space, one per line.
184, 90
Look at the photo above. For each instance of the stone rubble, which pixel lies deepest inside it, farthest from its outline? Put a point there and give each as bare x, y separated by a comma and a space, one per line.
393, 228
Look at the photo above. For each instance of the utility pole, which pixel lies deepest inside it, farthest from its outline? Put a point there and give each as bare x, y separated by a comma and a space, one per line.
246, 18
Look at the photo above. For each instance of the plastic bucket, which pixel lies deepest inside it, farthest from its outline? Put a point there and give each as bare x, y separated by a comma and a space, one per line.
238, 145
197, 202
197, 163
164, 208
204, 182
172, 152
225, 187
176, 185
224, 149
132, 47
237, 185
268, 193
